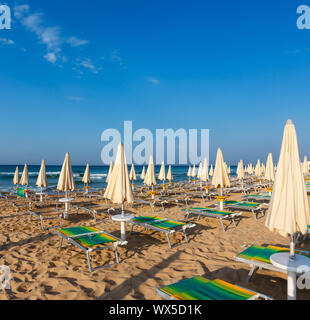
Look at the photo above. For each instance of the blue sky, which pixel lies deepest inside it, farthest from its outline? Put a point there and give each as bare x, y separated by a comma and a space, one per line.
71, 69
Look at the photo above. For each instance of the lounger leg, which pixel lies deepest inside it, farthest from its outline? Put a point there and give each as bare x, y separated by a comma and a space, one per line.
233, 221
88, 261
168, 240
222, 224
116, 255
131, 229
185, 236
251, 273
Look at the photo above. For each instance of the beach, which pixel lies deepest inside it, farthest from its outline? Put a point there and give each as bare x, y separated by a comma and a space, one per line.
41, 270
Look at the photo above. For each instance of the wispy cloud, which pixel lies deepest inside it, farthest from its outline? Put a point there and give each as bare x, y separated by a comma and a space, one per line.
153, 80
88, 64
76, 42
5, 41
115, 56
48, 36
76, 99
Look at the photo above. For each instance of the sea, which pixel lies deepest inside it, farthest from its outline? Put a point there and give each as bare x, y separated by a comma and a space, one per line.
98, 175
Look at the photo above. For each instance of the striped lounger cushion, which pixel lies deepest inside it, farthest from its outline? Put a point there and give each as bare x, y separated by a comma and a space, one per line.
158, 222
200, 288
89, 239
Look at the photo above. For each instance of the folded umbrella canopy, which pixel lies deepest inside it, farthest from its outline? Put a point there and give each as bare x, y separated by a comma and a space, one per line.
211, 171
142, 176
86, 177
204, 172
305, 169
220, 177
110, 172
16, 177
132, 175
162, 172
66, 181
150, 179
257, 169
169, 174
24, 181
42, 180
288, 211
269, 172
119, 188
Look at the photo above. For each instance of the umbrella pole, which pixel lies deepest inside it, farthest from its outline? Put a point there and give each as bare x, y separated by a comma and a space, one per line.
41, 196
292, 248
152, 191
66, 206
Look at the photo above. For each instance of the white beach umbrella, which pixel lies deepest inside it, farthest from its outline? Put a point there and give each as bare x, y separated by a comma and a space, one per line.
289, 208
258, 169
42, 180
119, 188
16, 177
269, 172
109, 172
150, 179
142, 176
66, 182
24, 181
162, 172
305, 169
240, 170
86, 177
211, 171
199, 171
169, 174
204, 172
132, 175
220, 178
193, 174
189, 172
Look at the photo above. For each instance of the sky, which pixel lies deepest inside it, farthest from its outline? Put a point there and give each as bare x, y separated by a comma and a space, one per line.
71, 69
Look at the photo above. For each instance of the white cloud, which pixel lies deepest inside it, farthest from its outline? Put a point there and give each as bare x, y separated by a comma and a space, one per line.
116, 57
153, 80
76, 42
87, 64
6, 41
76, 99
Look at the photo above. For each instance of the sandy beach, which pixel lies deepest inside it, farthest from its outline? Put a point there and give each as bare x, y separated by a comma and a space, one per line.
40, 270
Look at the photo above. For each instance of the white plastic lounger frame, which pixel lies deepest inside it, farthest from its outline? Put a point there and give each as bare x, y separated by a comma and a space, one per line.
89, 250
166, 232
255, 210
230, 217
96, 209
42, 217
259, 265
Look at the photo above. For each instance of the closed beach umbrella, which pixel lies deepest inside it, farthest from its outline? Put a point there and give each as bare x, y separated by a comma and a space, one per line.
86, 177
228, 170
269, 172
16, 177
258, 169
240, 170
211, 171
220, 178
189, 172
66, 180
150, 179
119, 188
162, 172
132, 175
199, 170
24, 181
143, 173
305, 166
289, 208
193, 174
109, 172
169, 174
204, 173
42, 180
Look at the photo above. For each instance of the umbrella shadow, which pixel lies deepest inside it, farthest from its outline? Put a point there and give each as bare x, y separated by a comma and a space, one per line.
134, 282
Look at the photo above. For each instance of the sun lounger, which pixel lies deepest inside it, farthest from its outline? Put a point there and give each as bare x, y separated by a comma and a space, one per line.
255, 208
163, 225
200, 288
95, 209
257, 197
90, 239
259, 258
213, 213
45, 216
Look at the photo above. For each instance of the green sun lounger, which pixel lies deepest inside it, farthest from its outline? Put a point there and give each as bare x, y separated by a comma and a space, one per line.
258, 257
90, 239
163, 225
257, 197
213, 213
200, 288
254, 207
